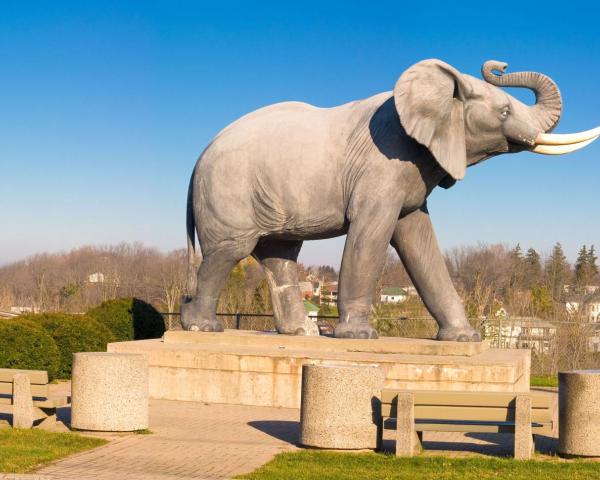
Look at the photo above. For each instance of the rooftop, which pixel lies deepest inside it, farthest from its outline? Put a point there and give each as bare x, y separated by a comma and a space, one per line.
393, 291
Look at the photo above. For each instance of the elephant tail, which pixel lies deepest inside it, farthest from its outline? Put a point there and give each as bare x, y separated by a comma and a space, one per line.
193, 258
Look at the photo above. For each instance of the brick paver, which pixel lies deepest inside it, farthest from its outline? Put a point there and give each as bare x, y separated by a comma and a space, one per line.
193, 440
189, 440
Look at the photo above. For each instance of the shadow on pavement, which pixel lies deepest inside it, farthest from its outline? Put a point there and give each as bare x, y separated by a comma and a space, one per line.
284, 430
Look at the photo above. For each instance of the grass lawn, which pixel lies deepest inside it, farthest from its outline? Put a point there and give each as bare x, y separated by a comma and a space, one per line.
23, 450
544, 381
365, 466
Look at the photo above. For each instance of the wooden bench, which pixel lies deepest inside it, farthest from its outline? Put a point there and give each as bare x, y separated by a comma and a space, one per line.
26, 392
524, 414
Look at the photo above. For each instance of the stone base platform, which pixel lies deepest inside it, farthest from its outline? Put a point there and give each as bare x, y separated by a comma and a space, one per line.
264, 369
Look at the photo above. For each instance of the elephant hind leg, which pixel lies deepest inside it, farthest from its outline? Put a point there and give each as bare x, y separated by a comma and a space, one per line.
200, 313
278, 258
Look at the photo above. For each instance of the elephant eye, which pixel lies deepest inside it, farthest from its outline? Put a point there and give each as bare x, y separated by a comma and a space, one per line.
504, 113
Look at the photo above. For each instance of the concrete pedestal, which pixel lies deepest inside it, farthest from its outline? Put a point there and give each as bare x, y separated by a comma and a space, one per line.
338, 408
579, 413
256, 368
109, 392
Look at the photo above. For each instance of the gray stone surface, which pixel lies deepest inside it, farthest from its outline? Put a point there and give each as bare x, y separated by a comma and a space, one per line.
109, 392
339, 407
375, 162
22, 402
523, 436
579, 413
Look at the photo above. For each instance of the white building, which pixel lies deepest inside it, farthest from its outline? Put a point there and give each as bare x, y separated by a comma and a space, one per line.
588, 307
393, 295
521, 332
95, 278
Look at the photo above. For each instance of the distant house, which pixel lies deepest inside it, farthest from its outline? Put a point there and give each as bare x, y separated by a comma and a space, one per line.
588, 307
522, 332
587, 289
306, 289
311, 309
393, 295
95, 278
329, 293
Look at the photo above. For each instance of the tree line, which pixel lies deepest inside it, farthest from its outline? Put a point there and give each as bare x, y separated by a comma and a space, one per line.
489, 278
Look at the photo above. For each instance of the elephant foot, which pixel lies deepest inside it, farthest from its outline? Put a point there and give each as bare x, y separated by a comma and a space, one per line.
307, 327
193, 320
355, 330
206, 326
459, 334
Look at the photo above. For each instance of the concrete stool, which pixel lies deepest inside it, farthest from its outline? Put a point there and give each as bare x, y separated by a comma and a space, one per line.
579, 413
109, 392
339, 406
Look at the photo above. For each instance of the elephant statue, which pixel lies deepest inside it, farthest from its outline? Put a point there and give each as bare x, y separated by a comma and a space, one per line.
291, 172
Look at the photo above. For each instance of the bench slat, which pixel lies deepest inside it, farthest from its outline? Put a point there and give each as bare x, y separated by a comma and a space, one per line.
464, 413
468, 413
36, 377
6, 388
538, 429
479, 399
52, 402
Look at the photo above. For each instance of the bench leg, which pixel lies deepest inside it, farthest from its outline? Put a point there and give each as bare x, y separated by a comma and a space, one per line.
523, 435
49, 422
407, 440
22, 402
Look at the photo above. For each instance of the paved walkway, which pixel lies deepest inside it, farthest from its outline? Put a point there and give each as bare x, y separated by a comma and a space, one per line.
193, 440
190, 440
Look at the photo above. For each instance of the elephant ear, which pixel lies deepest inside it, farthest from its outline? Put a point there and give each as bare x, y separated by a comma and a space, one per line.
429, 99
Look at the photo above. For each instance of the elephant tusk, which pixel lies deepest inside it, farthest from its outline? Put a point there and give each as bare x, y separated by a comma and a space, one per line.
561, 149
566, 139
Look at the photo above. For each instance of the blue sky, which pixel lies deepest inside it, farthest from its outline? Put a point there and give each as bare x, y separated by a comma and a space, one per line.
105, 106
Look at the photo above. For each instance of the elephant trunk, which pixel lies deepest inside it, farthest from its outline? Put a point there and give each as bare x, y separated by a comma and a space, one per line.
548, 102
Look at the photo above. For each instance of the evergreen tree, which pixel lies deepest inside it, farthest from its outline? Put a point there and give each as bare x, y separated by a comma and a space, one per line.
557, 271
516, 253
533, 269
591, 261
516, 267
582, 268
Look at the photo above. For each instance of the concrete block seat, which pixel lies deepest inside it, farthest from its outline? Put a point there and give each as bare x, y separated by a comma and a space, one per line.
337, 406
26, 394
579, 413
110, 392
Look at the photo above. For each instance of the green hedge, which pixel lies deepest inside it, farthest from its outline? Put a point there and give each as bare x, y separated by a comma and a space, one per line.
71, 333
24, 346
129, 319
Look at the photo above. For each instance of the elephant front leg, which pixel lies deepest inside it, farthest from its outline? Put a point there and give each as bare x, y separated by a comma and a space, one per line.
417, 246
362, 263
